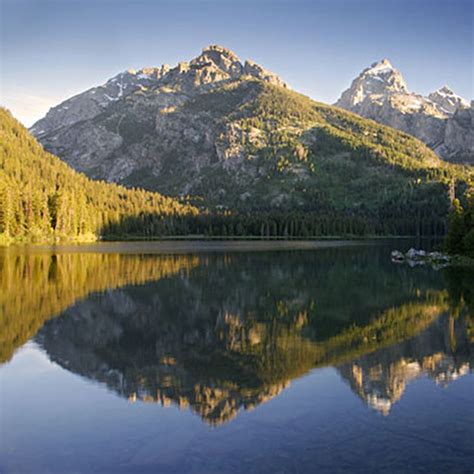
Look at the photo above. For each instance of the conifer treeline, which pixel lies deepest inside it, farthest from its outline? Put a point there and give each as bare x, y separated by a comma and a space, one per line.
41, 197
460, 237
283, 225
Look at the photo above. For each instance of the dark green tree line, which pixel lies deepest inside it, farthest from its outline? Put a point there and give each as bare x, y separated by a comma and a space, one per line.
460, 237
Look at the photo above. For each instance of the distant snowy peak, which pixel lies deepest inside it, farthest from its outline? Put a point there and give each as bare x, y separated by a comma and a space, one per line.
442, 120
447, 100
382, 69
381, 83
378, 81
389, 77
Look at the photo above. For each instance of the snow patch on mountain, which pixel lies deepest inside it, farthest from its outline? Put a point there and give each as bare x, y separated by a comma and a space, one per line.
447, 100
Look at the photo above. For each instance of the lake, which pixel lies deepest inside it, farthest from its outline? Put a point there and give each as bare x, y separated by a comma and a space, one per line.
222, 357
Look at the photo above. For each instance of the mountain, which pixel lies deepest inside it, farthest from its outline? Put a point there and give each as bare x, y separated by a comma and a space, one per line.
381, 94
459, 136
234, 137
214, 65
380, 79
447, 100
43, 198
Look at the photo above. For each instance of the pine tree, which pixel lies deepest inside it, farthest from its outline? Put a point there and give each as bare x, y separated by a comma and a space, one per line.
454, 239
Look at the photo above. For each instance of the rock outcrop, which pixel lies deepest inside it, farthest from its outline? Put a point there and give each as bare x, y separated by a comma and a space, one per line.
458, 142
381, 94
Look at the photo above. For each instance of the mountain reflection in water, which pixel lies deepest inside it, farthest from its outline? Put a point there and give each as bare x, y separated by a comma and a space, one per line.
218, 333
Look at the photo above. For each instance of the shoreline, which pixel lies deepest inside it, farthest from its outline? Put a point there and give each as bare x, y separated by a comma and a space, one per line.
82, 240
201, 244
194, 245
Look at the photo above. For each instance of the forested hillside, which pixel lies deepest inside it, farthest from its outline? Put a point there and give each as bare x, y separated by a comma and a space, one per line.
42, 198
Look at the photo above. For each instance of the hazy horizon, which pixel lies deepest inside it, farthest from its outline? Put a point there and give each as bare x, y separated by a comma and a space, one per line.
72, 46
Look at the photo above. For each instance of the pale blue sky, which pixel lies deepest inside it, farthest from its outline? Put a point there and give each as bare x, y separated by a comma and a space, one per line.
52, 49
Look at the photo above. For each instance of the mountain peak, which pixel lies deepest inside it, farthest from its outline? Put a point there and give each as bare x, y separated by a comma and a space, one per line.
379, 80
218, 60
382, 66
445, 90
447, 100
219, 63
385, 73
215, 65
219, 49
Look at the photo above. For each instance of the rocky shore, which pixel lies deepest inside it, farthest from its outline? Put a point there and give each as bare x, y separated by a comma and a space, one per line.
416, 257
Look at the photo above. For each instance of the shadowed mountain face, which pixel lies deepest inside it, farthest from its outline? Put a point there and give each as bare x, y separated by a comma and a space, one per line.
218, 333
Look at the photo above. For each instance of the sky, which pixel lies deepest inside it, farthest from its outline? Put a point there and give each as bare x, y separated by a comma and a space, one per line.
53, 49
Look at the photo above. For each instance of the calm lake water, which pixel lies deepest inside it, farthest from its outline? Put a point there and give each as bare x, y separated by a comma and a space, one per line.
233, 358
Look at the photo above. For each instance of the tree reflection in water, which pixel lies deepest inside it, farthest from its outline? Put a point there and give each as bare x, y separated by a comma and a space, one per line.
218, 333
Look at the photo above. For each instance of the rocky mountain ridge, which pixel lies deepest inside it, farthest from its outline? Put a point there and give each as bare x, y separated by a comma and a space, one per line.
214, 65
231, 135
379, 93
447, 100
442, 120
